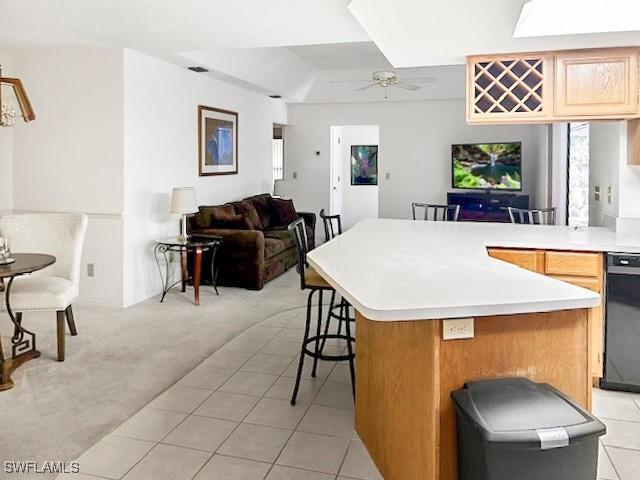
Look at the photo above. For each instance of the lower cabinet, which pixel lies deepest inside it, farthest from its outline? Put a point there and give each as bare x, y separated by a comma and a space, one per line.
583, 269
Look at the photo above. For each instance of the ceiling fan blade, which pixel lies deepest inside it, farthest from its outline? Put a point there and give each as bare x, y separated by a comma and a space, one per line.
365, 88
419, 79
348, 81
406, 86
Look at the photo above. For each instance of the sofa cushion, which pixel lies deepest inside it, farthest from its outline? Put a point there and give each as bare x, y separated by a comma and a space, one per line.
273, 246
214, 216
236, 222
263, 207
246, 208
282, 235
283, 211
203, 218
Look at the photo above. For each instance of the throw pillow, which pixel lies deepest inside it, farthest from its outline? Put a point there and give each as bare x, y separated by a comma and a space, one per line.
263, 207
234, 222
203, 218
246, 208
283, 211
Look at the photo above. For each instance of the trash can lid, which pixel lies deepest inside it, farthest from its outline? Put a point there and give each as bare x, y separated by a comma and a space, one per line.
518, 411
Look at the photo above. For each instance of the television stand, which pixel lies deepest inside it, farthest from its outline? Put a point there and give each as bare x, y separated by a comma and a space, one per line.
486, 206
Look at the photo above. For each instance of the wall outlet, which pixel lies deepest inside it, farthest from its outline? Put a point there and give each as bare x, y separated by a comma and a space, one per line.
294, 175
610, 195
91, 270
596, 193
458, 328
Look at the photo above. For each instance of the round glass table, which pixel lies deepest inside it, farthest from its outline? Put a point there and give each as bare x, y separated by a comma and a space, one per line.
23, 342
197, 245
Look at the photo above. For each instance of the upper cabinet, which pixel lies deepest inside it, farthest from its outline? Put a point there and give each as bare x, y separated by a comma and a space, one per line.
597, 83
553, 86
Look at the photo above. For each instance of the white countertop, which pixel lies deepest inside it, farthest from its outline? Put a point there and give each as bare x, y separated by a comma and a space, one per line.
412, 270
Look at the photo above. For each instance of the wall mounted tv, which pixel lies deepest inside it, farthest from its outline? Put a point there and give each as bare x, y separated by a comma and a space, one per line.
487, 166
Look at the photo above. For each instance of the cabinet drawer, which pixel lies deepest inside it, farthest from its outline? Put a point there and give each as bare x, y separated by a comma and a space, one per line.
590, 283
573, 263
528, 259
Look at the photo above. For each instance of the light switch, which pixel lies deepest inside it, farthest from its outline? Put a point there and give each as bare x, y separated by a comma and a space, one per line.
610, 195
387, 176
596, 193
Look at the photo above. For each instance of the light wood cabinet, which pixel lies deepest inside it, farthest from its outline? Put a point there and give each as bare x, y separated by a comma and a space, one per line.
556, 86
596, 83
583, 269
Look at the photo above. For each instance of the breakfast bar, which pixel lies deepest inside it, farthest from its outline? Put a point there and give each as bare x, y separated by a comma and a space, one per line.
407, 280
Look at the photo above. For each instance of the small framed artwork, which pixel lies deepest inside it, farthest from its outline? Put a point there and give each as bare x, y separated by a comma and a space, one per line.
364, 165
217, 141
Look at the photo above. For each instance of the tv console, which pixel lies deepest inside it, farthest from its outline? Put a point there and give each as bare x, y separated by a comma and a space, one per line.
486, 206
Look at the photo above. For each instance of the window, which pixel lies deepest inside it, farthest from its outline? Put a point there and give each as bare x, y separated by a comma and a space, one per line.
278, 154
578, 177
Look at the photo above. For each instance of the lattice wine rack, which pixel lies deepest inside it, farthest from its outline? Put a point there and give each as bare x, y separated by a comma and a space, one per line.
508, 87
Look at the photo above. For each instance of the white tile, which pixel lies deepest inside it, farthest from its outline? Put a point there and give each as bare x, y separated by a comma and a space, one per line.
227, 406
180, 398
201, 433
310, 451
249, 383
615, 405
76, 476
605, 468
263, 331
626, 462
622, 434
278, 472
292, 334
323, 371
273, 412
337, 422
265, 363
206, 377
282, 347
230, 468
150, 424
113, 456
358, 463
229, 359
283, 389
168, 462
341, 374
255, 442
246, 343
281, 319
338, 395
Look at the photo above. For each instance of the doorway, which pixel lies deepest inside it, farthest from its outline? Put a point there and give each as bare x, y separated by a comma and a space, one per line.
350, 196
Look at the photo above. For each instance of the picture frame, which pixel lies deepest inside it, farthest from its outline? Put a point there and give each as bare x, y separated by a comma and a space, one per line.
364, 164
217, 141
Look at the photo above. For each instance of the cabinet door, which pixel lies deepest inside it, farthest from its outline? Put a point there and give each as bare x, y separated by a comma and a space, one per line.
602, 82
528, 259
509, 89
584, 264
596, 320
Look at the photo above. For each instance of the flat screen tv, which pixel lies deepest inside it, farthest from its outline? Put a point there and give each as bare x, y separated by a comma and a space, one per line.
487, 166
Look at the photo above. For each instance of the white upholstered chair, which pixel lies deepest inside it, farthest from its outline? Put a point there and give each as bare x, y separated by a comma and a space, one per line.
55, 288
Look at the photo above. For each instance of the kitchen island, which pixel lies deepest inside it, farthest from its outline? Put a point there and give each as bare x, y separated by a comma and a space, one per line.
406, 279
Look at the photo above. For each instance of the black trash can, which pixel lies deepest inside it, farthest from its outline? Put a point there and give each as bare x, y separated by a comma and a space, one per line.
514, 429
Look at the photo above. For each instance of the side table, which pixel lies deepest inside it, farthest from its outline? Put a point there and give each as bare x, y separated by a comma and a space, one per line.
195, 244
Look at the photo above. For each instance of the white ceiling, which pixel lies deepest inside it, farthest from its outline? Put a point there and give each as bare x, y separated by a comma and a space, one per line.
412, 33
343, 56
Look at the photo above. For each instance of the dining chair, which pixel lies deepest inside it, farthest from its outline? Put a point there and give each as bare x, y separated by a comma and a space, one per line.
447, 213
55, 288
540, 216
312, 281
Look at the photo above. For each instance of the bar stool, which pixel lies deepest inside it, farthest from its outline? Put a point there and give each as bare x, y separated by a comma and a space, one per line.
310, 280
333, 228
447, 213
540, 216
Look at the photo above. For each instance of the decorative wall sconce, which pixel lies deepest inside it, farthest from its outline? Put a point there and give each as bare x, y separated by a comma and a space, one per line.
9, 113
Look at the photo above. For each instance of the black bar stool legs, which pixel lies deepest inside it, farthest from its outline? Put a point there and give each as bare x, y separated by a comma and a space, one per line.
318, 340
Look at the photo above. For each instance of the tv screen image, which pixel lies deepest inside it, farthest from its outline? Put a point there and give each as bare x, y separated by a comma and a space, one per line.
487, 166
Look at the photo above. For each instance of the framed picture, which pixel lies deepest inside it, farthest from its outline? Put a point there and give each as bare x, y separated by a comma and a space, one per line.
364, 165
218, 141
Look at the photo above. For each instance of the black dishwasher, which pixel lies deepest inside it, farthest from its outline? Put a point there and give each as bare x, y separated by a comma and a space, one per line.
622, 325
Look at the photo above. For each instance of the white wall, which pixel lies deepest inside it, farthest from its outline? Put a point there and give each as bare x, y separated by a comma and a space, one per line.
161, 152
70, 158
358, 201
415, 149
6, 146
604, 170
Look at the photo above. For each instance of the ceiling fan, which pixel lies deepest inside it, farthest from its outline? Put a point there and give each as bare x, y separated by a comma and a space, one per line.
389, 78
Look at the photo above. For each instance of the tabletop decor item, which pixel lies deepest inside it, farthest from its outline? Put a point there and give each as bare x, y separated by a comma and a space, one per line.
184, 202
5, 252
218, 141
364, 165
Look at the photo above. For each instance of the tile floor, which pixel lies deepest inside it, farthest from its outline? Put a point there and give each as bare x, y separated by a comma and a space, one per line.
230, 419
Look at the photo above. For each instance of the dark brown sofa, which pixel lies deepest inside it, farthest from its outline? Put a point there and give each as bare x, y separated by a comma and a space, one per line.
257, 247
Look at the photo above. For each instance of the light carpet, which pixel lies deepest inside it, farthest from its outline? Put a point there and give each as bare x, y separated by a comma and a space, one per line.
119, 362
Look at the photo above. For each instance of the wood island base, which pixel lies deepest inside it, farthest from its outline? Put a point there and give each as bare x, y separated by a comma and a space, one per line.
406, 373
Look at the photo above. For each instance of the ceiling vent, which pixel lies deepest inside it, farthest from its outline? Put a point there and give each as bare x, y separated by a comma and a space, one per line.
275, 96
198, 69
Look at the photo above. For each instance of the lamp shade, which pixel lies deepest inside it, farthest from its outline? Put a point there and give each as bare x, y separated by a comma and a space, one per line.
279, 187
183, 200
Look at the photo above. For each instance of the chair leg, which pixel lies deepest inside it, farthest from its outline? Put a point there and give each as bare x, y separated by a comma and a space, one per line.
318, 329
329, 313
304, 345
61, 332
350, 352
70, 321
18, 316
